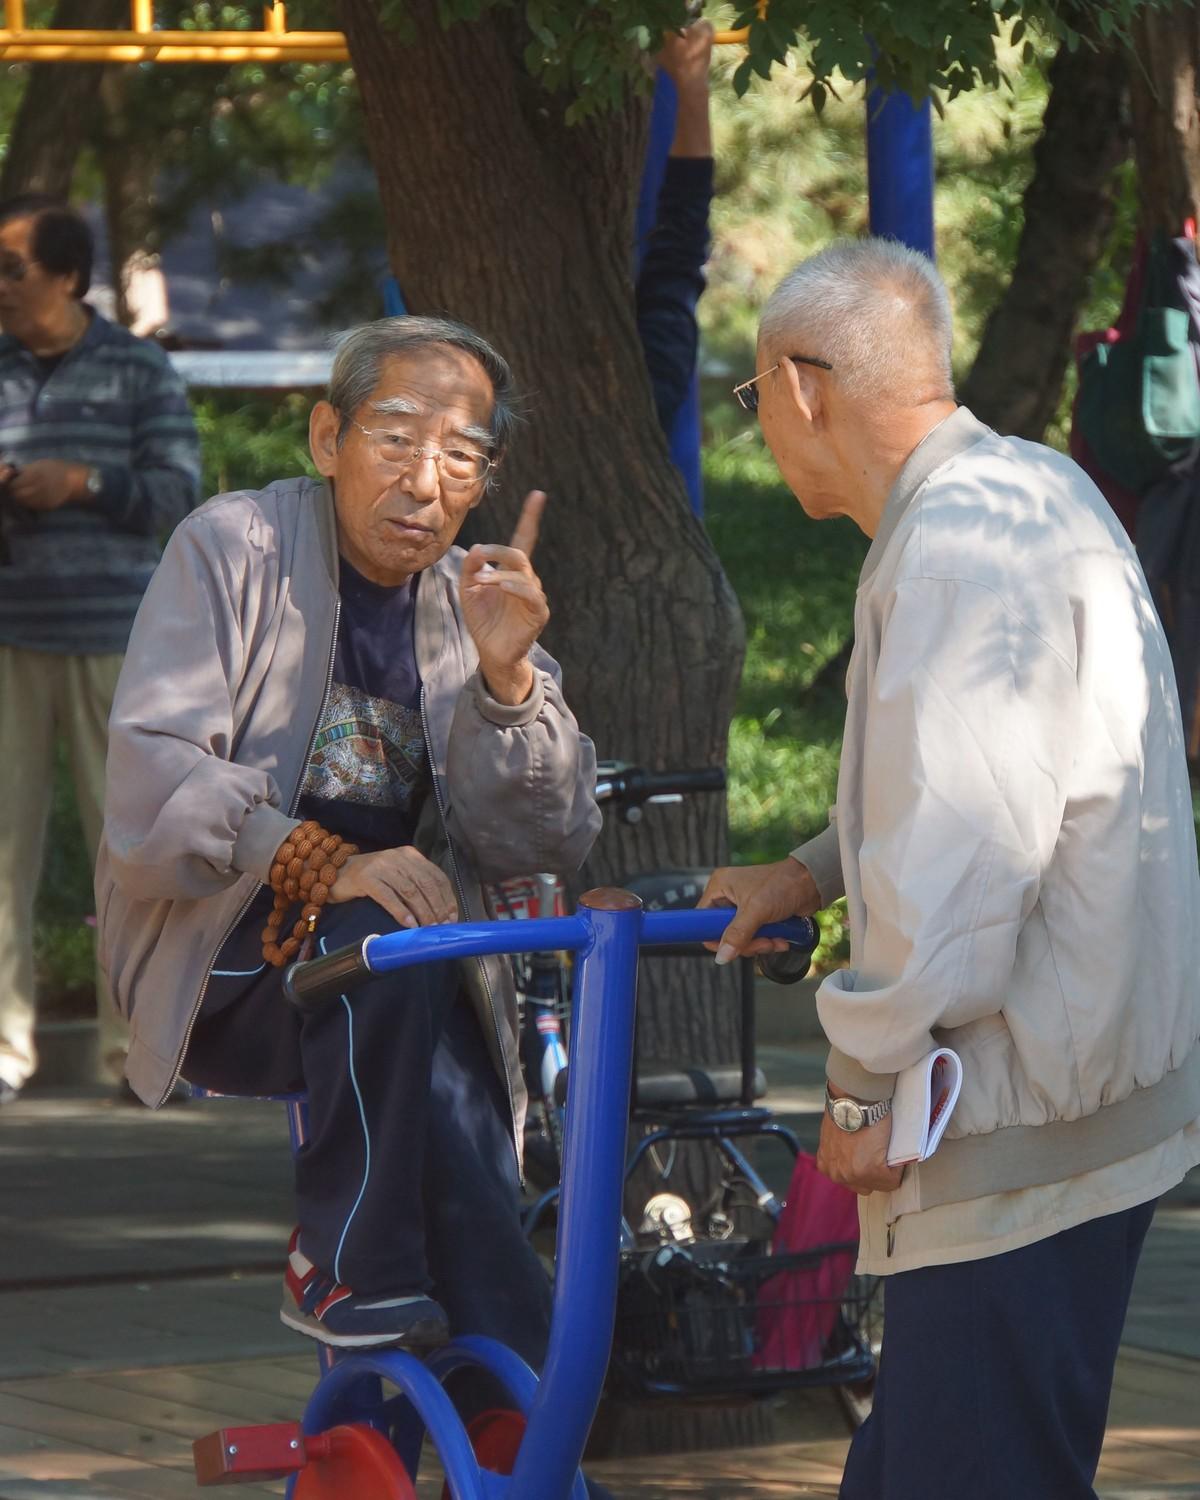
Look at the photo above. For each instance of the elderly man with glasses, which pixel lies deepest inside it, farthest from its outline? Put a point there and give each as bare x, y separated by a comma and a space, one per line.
1014, 838
331, 722
99, 459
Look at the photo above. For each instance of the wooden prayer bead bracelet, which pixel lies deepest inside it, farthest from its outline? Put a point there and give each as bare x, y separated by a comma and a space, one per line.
305, 869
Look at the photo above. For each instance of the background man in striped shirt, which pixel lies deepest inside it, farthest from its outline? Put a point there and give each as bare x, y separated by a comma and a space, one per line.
99, 460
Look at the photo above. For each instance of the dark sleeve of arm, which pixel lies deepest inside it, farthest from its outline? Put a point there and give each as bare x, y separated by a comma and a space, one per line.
160, 485
671, 280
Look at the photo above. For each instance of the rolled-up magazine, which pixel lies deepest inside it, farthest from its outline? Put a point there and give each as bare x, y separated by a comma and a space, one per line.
922, 1104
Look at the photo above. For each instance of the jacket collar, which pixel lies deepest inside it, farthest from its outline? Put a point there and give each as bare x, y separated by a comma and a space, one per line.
98, 331
952, 436
437, 585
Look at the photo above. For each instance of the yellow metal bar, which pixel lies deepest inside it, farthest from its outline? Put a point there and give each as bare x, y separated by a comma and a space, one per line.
23, 52
299, 40
275, 18
141, 15
14, 14
738, 38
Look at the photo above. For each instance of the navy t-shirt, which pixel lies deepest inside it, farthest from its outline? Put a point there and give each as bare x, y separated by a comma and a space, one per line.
368, 774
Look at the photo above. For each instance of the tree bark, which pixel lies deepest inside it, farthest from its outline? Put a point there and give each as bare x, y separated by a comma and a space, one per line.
505, 218
1016, 381
128, 161
59, 109
1166, 119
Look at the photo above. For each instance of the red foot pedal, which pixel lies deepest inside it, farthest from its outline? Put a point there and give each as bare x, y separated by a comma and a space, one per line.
353, 1463
246, 1455
496, 1438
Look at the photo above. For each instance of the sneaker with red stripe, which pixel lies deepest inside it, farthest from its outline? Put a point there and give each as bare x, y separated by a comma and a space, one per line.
315, 1304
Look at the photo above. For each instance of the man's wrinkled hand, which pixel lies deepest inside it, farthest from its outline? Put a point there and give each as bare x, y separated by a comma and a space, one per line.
858, 1159
410, 888
505, 607
47, 484
762, 894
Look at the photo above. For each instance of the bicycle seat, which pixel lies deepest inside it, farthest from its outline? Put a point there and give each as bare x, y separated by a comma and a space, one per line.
676, 1088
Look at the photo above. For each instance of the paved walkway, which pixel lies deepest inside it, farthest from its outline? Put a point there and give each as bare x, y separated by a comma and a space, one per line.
139, 1273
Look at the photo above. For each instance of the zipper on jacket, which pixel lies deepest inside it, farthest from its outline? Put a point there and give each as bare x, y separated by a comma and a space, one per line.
187, 1036
891, 1236
462, 902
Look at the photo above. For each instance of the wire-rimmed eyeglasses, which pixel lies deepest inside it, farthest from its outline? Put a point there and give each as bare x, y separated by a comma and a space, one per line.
459, 467
746, 394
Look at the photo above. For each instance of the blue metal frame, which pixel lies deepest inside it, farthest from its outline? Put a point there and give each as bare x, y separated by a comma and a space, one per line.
900, 169
606, 933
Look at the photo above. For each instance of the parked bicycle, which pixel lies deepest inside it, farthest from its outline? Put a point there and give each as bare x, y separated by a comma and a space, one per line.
702, 1284
543, 980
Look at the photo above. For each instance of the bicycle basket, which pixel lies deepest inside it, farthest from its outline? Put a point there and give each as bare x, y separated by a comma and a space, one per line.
721, 1317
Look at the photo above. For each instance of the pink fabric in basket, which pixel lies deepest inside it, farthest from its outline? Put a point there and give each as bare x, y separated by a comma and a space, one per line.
797, 1309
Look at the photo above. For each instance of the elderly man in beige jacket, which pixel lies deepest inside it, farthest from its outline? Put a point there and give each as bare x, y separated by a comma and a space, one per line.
1014, 837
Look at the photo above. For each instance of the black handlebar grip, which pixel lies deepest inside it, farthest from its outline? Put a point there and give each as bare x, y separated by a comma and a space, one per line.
681, 783
311, 985
790, 966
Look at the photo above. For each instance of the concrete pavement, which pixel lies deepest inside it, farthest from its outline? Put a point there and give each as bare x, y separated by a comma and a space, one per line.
140, 1258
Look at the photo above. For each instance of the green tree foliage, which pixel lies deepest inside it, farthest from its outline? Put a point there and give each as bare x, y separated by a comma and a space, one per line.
587, 49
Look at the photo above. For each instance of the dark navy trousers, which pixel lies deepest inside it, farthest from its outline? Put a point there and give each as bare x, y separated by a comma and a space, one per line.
409, 1179
995, 1375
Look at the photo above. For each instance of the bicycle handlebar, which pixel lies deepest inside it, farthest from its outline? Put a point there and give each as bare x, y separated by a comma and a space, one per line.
617, 782
315, 983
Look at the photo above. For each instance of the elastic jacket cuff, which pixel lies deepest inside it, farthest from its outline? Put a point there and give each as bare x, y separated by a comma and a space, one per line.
844, 1073
508, 715
259, 838
822, 858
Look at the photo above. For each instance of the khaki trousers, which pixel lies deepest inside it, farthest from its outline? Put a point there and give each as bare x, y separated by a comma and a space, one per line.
43, 695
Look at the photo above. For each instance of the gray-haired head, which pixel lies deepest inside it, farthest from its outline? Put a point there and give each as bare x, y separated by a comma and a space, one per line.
876, 310
358, 369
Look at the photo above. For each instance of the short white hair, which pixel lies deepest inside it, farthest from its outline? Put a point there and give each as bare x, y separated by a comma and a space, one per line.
876, 310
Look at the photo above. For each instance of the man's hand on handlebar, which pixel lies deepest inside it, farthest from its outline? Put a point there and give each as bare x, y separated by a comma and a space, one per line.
408, 886
762, 894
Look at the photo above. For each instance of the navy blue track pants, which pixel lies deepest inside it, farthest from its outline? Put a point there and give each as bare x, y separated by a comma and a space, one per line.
409, 1179
996, 1374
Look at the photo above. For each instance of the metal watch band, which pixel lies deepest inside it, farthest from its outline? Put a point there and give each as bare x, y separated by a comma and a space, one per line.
867, 1114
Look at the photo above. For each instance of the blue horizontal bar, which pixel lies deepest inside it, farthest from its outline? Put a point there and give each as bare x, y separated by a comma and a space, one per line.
423, 945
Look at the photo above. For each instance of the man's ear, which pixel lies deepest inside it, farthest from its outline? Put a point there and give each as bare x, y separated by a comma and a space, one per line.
803, 390
323, 423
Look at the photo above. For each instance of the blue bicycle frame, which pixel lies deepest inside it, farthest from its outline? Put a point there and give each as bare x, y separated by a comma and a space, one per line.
605, 933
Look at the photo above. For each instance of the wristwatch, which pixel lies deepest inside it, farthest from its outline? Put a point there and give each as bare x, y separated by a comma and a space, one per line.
94, 483
851, 1116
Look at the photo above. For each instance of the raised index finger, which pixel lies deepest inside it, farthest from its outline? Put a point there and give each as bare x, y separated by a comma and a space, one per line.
529, 523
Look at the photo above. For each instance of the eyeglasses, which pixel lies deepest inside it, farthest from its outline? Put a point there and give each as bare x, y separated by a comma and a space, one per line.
13, 268
459, 467
746, 394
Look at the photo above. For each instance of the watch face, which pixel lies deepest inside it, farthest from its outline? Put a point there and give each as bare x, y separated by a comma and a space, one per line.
847, 1114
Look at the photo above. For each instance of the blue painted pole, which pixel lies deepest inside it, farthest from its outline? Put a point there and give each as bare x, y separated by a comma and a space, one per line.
900, 169
593, 1176
684, 437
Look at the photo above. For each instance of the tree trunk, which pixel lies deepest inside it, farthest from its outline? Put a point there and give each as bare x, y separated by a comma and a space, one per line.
507, 219
1016, 381
58, 109
128, 163
1165, 116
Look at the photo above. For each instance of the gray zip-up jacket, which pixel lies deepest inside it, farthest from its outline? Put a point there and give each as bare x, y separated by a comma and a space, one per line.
223, 687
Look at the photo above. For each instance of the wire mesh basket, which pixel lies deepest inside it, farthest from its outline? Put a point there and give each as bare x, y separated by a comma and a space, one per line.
728, 1317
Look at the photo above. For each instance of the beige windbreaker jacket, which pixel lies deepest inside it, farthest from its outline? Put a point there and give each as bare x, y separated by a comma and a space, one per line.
1014, 823
223, 686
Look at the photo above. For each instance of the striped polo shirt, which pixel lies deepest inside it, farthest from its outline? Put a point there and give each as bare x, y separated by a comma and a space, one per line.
71, 579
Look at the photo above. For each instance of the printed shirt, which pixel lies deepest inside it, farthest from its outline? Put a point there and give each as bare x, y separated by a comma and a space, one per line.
71, 579
368, 773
